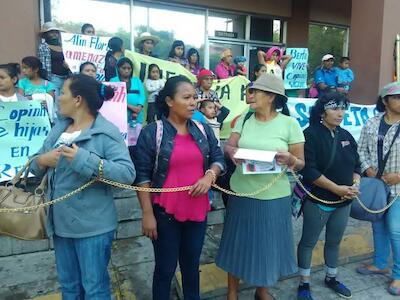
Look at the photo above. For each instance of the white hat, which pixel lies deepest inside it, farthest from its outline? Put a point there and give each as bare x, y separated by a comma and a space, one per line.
144, 37
327, 57
49, 26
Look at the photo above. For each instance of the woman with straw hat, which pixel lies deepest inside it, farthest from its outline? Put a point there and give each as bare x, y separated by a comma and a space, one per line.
145, 43
51, 55
257, 241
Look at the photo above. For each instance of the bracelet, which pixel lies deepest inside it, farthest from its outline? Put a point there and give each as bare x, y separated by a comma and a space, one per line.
356, 181
101, 165
213, 174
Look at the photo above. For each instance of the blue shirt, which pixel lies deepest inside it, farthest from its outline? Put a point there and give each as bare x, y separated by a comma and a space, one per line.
329, 77
29, 88
344, 77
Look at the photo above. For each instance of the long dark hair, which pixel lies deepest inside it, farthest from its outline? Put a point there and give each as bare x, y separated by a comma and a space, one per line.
192, 51
256, 69
318, 109
175, 44
114, 45
94, 92
12, 69
380, 106
169, 90
34, 63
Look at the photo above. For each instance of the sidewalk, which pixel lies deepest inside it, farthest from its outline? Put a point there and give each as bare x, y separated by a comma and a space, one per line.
33, 276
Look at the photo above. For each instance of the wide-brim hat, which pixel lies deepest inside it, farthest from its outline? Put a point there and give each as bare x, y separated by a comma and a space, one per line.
390, 89
270, 83
144, 37
50, 26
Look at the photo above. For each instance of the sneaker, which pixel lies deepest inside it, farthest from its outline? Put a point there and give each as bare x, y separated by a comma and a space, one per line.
303, 292
339, 288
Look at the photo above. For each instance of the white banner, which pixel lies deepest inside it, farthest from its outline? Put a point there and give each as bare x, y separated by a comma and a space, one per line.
355, 118
79, 48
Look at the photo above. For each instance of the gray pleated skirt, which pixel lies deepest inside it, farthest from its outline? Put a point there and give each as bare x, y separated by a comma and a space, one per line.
257, 241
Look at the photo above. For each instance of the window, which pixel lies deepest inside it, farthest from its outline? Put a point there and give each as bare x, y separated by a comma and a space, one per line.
109, 19
267, 30
325, 39
221, 24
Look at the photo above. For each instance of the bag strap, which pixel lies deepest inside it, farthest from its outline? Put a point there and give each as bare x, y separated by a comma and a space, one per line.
17, 177
333, 152
159, 134
385, 159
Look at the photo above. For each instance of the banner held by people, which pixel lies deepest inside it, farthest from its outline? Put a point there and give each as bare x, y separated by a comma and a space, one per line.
23, 128
79, 48
354, 119
295, 76
114, 110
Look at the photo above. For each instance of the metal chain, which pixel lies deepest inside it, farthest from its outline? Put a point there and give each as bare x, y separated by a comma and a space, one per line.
186, 188
378, 211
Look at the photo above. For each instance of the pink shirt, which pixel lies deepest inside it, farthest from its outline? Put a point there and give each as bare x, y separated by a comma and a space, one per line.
185, 168
223, 71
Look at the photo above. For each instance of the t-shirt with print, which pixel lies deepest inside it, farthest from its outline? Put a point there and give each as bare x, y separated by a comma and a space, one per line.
276, 134
29, 89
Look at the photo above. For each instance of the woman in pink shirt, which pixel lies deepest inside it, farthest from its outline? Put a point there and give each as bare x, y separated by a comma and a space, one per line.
176, 152
225, 68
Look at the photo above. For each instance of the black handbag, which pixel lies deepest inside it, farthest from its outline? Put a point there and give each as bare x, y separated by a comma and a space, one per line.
374, 193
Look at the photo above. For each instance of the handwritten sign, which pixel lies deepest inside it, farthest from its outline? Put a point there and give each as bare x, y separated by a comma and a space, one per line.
296, 69
23, 128
79, 48
354, 119
114, 110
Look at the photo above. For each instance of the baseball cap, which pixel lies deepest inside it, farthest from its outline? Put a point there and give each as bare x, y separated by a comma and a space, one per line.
327, 57
390, 89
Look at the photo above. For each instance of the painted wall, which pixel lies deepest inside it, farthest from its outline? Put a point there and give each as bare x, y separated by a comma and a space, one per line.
18, 33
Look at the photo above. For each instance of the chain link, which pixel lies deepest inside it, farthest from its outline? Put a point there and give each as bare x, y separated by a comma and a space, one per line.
378, 211
186, 188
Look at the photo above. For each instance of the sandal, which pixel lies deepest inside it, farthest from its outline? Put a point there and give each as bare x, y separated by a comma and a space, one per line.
364, 270
393, 290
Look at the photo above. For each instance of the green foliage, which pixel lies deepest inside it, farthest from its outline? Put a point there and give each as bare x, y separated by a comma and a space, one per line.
323, 40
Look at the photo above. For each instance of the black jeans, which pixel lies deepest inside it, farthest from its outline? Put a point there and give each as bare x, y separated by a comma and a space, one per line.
181, 241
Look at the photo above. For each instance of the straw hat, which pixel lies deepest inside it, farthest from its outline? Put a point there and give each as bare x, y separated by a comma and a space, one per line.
270, 83
50, 26
144, 37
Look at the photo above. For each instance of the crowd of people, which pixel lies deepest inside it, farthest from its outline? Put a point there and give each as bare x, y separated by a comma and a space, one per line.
180, 146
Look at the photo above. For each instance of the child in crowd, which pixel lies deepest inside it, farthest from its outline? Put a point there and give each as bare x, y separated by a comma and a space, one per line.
136, 98
8, 79
240, 67
36, 86
177, 54
258, 70
193, 57
344, 74
153, 86
88, 68
209, 110
35, 79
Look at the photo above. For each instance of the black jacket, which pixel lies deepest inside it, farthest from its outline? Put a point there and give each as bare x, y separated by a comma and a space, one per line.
317, 151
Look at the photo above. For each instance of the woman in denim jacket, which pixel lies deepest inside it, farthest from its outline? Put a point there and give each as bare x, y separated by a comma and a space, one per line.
182, 153
83, 227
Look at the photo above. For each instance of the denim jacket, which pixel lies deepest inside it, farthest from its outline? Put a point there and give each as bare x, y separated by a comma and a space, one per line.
144, 155
92, 211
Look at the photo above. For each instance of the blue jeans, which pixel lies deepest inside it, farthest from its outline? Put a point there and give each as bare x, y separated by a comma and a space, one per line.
387, 234
181, 241
58, 82
82, 266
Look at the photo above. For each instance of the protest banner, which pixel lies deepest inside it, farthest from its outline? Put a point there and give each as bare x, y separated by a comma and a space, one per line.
295, 75
354, 119
23, 128
114, 110
232, 92
79, 48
